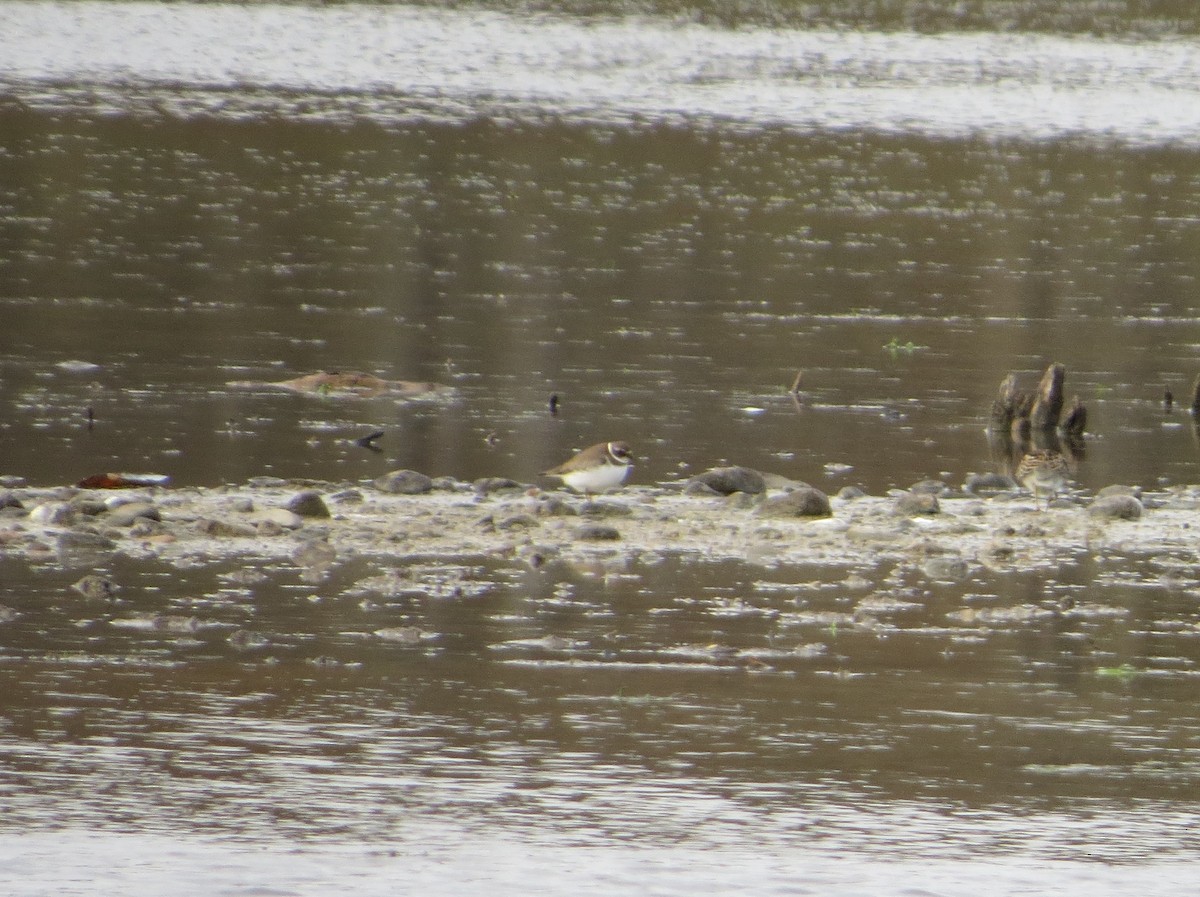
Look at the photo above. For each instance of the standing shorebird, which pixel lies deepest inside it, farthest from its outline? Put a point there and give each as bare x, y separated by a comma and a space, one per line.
1043, 471
597, 468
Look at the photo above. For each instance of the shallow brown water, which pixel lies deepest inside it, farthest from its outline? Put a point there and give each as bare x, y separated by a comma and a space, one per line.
660, 224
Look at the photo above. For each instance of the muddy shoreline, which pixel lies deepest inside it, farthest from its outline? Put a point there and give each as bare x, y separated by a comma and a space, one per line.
947, 533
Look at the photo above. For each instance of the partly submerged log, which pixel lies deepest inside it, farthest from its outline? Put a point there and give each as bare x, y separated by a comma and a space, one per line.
348, 383
1048, 403
1017, 411
1011, 404
1023, 421
1076, 420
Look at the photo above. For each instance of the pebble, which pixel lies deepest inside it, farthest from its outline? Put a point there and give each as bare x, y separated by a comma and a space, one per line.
548, 505
314, 555
911, 504
605, 509
930, 487
946, 569
989, 482
126, 514
804, 502
280, 517
308, 504
404, 482
52, 513
488, 485
597, 532
727, 480
223, 529
1116, 507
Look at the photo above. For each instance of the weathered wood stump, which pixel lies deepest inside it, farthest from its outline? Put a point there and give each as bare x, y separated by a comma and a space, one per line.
1048, 403
1021, 420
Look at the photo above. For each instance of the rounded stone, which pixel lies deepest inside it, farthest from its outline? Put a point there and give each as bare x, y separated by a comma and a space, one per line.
727, 480
1116, 507
125, 515
989, 482
913, 504
805, 502
488, 485
404, 482
597, 532
308, 504
223, 529
280, 517
929, 487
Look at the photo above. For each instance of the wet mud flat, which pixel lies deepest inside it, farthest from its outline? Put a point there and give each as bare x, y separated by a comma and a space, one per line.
945, 531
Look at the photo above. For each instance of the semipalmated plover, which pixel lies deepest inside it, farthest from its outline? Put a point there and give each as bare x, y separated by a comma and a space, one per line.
1042, 470
597, 468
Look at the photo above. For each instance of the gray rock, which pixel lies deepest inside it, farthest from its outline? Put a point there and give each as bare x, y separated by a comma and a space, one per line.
695, 487
549, 505
929, 487
913, 504
744, 501
8, 500
11, 481
144, 527
946, 568
1116, 507
488, 485
805, 502
404, 482
989, 482
223, 529
597, 532
316, 554
280, 517
849, 493
89, 506
243, 505
597, 509
125, 515
726, 480
52, 513
308, 504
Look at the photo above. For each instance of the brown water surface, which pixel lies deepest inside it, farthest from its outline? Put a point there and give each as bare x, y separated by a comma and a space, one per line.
660, 224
